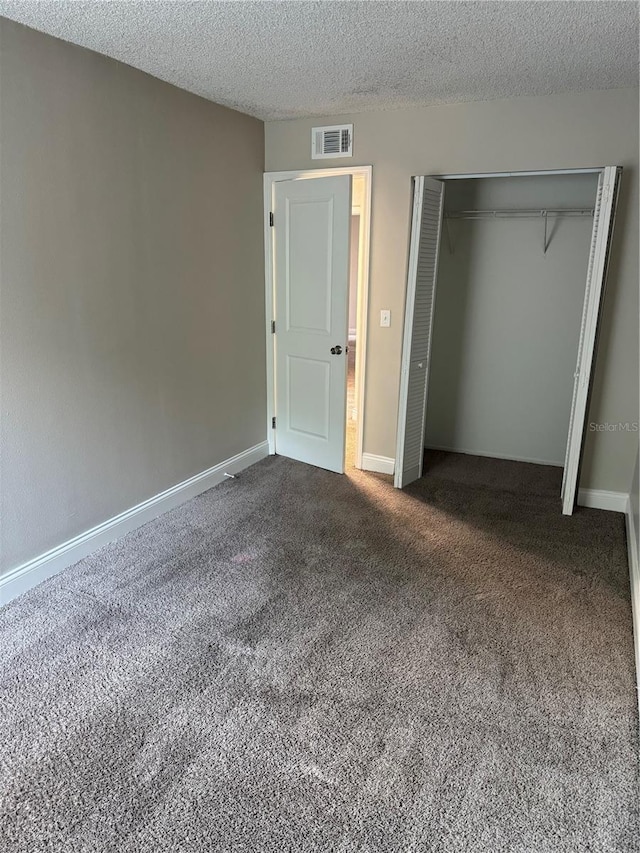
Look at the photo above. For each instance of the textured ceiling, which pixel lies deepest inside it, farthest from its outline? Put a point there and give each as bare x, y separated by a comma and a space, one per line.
285, 59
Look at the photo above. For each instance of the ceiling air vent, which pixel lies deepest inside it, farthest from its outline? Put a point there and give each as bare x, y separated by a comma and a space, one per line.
335, 141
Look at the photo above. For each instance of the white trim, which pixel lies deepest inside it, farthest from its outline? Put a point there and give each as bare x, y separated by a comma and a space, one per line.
593, 498
353, 334
34, 571
269, 301
602, 499
492, 455
634, 580
379, 464
269, 179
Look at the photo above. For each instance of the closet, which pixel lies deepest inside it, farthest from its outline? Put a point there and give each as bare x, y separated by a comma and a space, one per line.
505, 282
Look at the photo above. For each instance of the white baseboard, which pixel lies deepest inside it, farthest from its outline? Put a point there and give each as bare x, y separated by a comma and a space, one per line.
601, 499
593, 498
492, 455
33, 572
634, 578
379, 464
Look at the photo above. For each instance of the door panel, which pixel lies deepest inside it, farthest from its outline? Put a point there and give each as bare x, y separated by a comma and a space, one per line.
309, 414
603, 219
426, 228
312, 220
308, 268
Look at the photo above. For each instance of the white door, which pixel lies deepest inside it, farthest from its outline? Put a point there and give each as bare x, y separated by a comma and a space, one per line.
312, 224
428, 200
603, 217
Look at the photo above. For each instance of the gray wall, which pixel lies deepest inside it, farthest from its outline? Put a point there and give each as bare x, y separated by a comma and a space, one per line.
552, 132
131, 274
507, 319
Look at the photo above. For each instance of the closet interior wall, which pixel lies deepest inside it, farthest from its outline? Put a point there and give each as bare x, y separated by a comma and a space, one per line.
507, 317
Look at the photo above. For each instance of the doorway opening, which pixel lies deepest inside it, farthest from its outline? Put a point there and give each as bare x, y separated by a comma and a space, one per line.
347, 306
498, 360
357, 287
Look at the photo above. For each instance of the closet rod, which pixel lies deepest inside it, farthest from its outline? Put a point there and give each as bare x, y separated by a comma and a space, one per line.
517, 214
513, 213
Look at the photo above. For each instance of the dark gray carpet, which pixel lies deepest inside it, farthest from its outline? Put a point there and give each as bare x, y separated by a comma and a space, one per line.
299, 661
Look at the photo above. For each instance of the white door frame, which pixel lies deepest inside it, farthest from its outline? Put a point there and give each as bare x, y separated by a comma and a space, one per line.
270, 178
592, 309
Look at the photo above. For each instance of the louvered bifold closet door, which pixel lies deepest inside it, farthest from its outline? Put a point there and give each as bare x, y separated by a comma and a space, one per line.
603, 218
418, 326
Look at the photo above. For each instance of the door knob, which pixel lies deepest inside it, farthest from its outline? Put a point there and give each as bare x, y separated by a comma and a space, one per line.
337, 350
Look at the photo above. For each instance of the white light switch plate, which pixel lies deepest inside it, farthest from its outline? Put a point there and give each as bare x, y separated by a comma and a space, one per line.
385, 317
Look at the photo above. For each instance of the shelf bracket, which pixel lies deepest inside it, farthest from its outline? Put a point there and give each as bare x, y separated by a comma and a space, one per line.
446, 227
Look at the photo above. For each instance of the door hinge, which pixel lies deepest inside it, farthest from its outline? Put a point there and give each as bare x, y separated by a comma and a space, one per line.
271, 219
273, 327
273, 423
